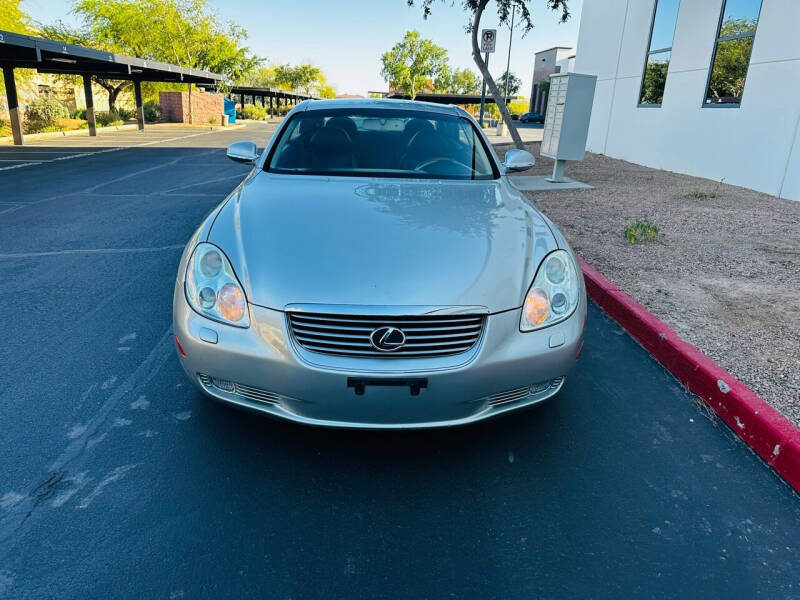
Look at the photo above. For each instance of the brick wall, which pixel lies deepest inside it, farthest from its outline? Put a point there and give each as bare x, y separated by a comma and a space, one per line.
205, 106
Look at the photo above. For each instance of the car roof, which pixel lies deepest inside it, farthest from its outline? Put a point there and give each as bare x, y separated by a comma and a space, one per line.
403, 105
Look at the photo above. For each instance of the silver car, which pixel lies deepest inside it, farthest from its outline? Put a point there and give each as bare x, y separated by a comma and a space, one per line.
376, 269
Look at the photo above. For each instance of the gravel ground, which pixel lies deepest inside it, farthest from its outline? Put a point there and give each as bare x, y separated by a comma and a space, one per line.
723, 270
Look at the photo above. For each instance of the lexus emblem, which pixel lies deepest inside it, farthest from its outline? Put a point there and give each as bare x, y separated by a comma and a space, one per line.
387, 339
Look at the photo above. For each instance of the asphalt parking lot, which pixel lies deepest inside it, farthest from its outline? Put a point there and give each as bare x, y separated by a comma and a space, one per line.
119, 480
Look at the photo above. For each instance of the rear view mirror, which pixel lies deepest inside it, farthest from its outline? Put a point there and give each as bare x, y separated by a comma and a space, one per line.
518, 160
243, 152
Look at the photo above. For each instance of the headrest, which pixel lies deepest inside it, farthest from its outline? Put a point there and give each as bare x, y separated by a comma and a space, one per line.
331, 140
346, 124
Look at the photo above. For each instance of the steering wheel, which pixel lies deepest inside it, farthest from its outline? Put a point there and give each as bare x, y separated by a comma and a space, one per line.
441, 159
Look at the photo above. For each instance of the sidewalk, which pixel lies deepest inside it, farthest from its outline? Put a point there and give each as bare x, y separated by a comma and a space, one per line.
722, 271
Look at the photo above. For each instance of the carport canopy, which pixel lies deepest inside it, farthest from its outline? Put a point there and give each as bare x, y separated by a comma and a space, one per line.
18, 51
275, 96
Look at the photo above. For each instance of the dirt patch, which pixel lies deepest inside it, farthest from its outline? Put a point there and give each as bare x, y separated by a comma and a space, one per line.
723, 271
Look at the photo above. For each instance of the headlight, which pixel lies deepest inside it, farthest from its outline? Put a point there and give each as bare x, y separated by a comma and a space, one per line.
554, 294
212, 288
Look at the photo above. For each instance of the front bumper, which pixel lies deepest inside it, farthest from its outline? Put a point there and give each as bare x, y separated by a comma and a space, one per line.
261, 369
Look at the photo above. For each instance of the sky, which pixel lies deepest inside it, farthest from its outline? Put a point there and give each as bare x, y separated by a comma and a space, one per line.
346, 38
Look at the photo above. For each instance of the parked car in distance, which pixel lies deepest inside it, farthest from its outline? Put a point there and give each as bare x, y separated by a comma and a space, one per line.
376, 269
532, 117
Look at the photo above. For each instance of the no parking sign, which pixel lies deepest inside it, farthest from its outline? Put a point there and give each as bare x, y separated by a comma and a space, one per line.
488, 39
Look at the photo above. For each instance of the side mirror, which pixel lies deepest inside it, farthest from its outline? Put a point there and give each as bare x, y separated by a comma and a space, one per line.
518, 160
243, 152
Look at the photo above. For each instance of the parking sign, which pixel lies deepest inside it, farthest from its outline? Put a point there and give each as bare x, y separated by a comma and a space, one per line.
488, 39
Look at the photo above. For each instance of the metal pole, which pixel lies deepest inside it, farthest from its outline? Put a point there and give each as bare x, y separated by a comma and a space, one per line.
508, 62
483, 90
87, 92
137, 93
13, 104
270, 107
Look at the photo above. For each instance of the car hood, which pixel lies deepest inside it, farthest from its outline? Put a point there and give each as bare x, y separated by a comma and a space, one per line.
381, 242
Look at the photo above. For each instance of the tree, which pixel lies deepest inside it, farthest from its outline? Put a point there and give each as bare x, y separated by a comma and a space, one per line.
655, 79
475, 8
181, 32
302, 78
514, 83
12, 18
464, 81
731, 60
413, 63
263, 77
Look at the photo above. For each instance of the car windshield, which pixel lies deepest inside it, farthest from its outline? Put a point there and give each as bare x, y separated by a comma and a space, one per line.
381, 143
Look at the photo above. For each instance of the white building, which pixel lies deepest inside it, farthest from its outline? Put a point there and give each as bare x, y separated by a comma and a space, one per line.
730, 105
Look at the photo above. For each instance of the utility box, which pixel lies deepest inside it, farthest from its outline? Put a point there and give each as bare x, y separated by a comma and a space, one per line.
566, 125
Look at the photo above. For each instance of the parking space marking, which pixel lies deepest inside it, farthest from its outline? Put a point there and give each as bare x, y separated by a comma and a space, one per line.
10, 207
13, 255
79, 154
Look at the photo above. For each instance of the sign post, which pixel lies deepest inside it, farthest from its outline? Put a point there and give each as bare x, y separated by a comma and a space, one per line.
488, 40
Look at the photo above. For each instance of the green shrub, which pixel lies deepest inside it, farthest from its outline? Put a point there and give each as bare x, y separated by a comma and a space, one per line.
108, 118
125, 114
79, 113
42, 113
640, 231
257, 113
152, 111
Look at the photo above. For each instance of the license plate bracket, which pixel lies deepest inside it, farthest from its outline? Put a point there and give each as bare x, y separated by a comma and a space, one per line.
360, 383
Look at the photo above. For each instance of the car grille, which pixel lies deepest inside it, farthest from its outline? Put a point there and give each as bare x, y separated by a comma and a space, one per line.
349, 335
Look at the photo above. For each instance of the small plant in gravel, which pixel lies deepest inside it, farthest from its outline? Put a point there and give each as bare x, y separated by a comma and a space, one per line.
699, 193
640, 231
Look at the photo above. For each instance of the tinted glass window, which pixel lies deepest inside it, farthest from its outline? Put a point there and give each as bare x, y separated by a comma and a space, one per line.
654, 79
381, 143
745, 11
735, 37
664, 24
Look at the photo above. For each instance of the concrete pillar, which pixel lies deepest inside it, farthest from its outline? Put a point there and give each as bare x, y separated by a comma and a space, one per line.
137, 93
90, 117
13, 104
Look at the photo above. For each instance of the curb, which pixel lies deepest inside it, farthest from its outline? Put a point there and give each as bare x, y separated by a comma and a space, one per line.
770, 435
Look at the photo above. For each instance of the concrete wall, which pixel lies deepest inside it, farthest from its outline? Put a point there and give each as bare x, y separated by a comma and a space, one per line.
545, 62
755, 145
205, 107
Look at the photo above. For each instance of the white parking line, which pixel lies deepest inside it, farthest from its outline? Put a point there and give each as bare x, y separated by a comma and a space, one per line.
111, 149
91, 251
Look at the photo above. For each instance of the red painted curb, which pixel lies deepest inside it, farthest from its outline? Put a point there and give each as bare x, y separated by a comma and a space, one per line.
771, 435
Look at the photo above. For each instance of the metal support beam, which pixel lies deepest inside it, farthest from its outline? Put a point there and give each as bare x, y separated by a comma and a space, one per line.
137, 93
558, 172
13, 104
270, 107
242, 99
90, 117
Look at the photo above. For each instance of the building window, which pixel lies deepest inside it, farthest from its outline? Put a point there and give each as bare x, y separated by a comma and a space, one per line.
735, 35
659, 51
